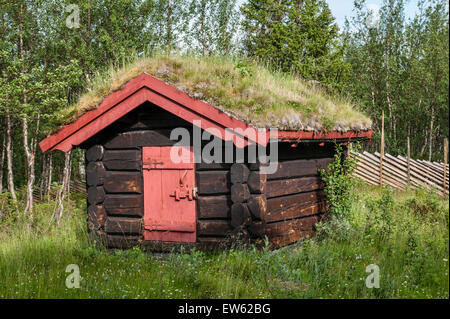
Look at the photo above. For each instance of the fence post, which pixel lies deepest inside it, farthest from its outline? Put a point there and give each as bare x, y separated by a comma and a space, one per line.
445, 165
382, 148
409, 160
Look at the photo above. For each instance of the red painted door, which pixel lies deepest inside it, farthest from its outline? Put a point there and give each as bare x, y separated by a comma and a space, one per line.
169, 196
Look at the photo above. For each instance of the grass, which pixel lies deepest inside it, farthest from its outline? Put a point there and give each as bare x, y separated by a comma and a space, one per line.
245, 89
405, 233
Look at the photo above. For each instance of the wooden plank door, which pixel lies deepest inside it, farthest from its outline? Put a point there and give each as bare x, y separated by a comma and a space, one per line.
169, 196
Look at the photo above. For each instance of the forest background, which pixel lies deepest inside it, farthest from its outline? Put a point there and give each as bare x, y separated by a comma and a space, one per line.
50, 52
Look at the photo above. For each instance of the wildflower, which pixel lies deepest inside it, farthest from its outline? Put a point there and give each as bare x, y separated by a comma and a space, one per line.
445, 259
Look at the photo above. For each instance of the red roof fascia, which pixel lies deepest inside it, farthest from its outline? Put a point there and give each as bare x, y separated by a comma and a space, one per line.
333, 135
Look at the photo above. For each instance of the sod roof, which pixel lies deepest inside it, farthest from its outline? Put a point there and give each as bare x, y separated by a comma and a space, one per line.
244, 90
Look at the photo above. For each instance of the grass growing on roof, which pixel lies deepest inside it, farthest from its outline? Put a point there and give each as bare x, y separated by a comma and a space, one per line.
242, 88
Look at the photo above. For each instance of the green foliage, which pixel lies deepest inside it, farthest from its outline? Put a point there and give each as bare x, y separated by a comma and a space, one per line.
295, 36
406, 234
401, 67
379, 220
212, 25
427, 206
338, 190
412, 254
406, 61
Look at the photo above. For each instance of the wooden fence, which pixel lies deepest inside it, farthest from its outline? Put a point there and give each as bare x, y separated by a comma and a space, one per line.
395, 172
74, 187
399, 172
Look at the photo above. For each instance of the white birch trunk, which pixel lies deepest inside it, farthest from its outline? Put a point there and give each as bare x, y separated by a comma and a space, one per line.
9, 158
63, 189
2, 163
28, 164
431, 134
50, 175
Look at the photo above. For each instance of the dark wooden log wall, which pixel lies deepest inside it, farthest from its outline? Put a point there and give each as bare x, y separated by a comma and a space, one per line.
115, 195
294, 193
213, 204
285, 205
249, 201
114, 174
115, 182
232, 198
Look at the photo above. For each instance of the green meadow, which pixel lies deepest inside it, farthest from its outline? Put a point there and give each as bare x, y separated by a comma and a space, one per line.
404, 233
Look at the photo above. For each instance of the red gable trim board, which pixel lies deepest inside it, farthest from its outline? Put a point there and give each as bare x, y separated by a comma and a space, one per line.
147, 88
334, 135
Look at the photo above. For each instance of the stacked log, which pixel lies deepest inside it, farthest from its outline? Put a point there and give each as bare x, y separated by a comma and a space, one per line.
232, 198
114, 173
240, 193
295, 200
213, 204
115, 194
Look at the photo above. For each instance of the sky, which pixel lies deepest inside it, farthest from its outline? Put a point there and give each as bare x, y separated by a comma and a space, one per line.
343, 8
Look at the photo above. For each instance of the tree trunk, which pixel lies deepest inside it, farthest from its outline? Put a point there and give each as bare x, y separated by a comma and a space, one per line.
424, 146
388, 54
169, 27
9, 158
50, 175
29, 168
63, 188
203, 15
389, 101
43, 178
29, 156
2, 162
69, 173
431, 134
81, 166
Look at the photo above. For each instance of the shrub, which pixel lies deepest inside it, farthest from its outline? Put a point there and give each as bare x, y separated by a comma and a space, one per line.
427, 205
379, 219
339, 184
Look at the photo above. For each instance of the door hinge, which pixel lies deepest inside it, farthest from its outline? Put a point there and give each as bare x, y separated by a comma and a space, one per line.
185, 191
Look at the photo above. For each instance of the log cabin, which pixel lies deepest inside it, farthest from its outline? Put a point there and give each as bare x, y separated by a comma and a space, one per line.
221, 192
